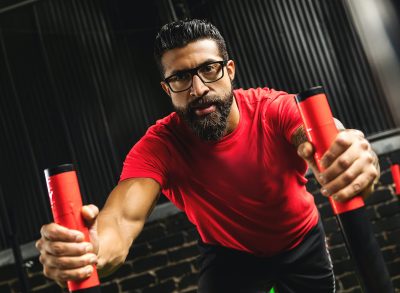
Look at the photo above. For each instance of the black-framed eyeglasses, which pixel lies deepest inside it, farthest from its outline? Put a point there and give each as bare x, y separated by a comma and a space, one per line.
208, 72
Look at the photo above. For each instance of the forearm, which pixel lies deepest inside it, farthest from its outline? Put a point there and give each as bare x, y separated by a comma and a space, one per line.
122, 219
115, 241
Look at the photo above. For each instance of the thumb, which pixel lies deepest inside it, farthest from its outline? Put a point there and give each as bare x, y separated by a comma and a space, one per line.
306, 151
89, 214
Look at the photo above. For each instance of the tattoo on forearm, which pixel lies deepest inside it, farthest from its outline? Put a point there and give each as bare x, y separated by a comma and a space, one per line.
299, 136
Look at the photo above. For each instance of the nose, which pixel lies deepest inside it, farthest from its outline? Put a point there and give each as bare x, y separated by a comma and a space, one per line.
198, 88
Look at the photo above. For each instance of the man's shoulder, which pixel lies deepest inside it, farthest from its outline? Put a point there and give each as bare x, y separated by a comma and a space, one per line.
259, 94
164, 125
260, 98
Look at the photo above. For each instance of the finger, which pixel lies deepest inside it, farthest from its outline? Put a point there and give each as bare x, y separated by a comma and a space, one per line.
340, 164
341, 143
89, 213
67, 248
353, 189
305, 150
55, 232
362, 166
343, 140
38, 244
68, 275
343, 180
68, 262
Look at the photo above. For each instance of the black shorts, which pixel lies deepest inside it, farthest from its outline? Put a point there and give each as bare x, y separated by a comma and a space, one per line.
306, 268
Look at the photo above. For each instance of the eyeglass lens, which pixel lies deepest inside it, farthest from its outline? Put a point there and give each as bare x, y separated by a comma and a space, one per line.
208, 73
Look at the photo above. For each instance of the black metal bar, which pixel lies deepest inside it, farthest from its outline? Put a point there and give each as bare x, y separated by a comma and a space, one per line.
13, 241
18, 5
364, 249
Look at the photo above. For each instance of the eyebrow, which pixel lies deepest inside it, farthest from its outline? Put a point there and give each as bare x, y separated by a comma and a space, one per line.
210, 60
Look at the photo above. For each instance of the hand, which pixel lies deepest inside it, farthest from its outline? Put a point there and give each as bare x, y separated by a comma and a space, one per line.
63, 252
350, 165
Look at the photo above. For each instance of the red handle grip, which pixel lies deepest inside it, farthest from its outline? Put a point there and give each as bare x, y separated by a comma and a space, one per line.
321, 132
66, 205
395, 168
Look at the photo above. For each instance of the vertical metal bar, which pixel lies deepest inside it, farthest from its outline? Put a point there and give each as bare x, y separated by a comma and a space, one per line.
11, 233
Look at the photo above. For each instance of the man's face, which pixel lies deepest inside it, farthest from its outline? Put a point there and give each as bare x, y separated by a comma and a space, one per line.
205, 107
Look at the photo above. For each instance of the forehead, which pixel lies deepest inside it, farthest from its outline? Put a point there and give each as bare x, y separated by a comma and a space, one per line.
190, 56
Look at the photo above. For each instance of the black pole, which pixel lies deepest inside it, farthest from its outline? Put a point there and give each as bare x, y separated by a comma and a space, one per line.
11, 234
354, 223
363, 248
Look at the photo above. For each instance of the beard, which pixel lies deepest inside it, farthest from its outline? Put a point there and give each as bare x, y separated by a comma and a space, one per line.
212, 126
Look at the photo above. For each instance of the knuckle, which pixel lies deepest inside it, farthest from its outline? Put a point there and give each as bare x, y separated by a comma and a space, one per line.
86, 247
348, 177
43, 230
342, 135
82, 273
368, 157
372, 174
343, 138
342, 142
359, 133
356, 187
42, 259
63, 275
364, 144
38, 244
57, 248
344, 162
327, 158
49, 232
46, 272
63, 263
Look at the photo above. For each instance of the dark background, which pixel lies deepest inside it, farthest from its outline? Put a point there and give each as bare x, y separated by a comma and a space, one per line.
78, 82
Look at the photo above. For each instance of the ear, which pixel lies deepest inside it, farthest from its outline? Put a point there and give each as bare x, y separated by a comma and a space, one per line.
230, 67
166, 88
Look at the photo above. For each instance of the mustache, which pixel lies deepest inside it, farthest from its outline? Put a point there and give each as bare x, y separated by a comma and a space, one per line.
204, 102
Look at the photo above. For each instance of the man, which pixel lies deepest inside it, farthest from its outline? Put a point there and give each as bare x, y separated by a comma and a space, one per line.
234, 161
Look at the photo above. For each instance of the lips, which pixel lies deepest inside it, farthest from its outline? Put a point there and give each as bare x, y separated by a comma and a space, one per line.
204, 106
207, 109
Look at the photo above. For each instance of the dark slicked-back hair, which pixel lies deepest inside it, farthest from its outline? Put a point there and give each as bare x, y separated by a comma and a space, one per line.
182, 32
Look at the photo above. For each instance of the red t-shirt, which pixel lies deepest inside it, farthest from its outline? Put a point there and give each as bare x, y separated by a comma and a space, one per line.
246, 191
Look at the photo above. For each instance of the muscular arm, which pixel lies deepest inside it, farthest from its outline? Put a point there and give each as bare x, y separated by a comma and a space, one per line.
122, 219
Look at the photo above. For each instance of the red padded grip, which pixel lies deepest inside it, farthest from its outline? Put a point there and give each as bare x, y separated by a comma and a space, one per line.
66, 205
395, 168
321, 132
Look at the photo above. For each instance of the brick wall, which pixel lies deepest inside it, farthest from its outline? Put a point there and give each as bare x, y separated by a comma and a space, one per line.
163, 259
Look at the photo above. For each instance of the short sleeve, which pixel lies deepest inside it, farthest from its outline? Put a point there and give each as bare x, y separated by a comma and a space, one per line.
283, 114
148, 158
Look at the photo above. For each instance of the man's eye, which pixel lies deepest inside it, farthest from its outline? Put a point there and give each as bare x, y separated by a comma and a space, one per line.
182, 76
209, 68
